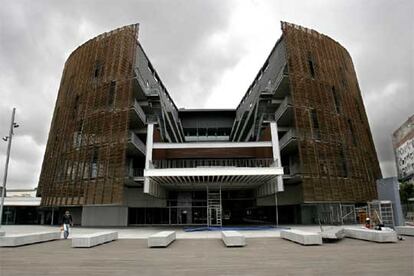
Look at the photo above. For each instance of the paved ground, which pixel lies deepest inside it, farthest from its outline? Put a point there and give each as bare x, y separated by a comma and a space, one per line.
262, 256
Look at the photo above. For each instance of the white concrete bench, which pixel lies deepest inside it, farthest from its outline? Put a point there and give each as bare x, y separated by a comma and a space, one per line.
23, 239
371, 234
405, 230
161, 239
91, 240
302, 237
333, 234
233, 238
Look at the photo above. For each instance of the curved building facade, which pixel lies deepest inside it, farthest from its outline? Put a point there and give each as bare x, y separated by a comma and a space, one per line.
120, 152
335, 146
84, 160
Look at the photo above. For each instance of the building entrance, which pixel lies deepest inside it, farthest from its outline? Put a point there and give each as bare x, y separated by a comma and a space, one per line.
211, 207
237, 206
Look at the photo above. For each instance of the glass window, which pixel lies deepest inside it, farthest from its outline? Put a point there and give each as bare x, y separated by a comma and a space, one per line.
111, 96
94, 164
311, 66
351, 129
336, 99
315, 124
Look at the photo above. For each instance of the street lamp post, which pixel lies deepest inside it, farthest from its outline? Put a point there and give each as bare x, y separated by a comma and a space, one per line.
9, 140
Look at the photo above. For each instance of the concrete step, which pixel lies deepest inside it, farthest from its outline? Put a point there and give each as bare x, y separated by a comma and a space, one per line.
161, 239
371, 234
233, 238
91, 240
405, 230
301, 237
24, 239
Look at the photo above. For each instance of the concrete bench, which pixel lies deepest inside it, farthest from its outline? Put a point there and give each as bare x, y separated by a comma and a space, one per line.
91, 240
405, 230
23, 239
161, 239
333, 234
302, 237
233, 238
371, 234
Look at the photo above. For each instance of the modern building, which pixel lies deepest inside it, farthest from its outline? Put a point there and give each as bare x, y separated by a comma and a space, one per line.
403, 142
388, 190
21, 206
297, 149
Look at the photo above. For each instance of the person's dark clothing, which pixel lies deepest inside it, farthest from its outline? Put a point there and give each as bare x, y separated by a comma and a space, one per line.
67, 219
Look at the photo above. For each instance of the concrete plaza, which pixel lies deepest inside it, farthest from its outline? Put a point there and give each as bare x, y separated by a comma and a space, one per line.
208, 256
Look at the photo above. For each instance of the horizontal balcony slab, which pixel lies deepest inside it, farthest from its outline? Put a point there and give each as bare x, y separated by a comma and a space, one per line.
292, 179
214, 171
137, 116
289, 141
201, 145
135, 143
201, 182
282, 89
284, 114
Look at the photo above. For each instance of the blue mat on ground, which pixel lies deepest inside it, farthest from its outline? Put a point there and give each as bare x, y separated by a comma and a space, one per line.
234, 228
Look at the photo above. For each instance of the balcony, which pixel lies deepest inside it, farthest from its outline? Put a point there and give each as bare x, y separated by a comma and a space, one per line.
137, 174
135, 145
134, 177
146, 84
288, 142
134, 172
278, 87
225, 173
137, 115
284, 114
208, 163
292, 169
292, 174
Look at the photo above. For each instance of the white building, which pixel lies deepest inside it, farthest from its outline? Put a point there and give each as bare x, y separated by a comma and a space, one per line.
403, 142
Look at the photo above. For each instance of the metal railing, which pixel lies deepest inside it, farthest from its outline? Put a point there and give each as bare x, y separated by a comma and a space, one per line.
197, 163
138, 172
134, 172
149, 89
139, 111
275, 82
291, 134
282, 108
134, 139
206, 138
292, 169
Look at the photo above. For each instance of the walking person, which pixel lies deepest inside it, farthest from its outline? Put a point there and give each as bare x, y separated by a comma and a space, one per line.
67, 222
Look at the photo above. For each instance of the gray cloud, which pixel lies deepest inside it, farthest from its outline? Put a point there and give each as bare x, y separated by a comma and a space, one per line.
37, 36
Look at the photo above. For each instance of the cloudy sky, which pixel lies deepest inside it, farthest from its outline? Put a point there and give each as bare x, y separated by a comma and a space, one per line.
206, 52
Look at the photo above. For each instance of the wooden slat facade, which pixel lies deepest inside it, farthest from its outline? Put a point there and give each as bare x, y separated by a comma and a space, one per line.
90, 123
85, 159
343, 130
